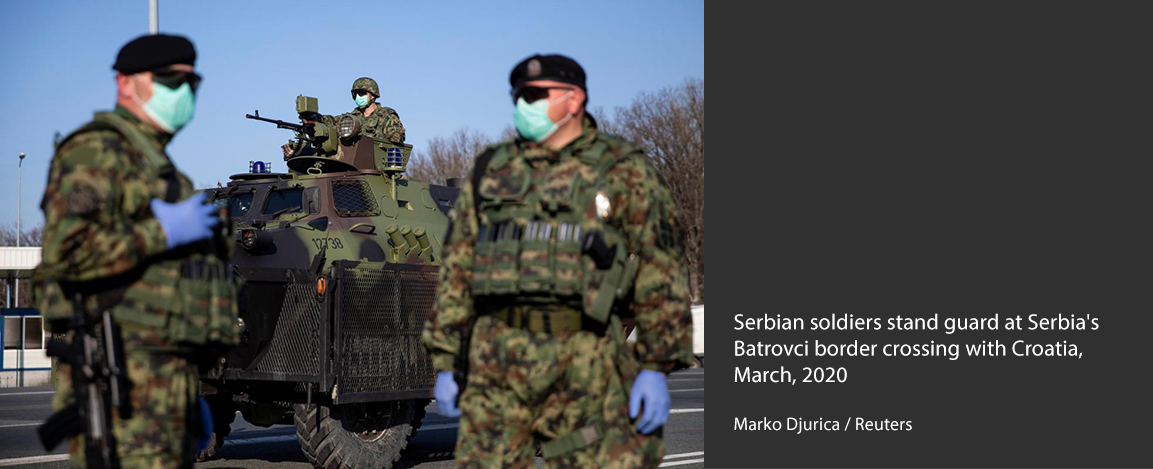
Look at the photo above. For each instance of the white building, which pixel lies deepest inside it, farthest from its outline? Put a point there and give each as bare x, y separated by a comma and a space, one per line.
24, 361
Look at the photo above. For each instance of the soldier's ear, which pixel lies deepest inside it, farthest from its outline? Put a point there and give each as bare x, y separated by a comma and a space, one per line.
123, 86
577, 102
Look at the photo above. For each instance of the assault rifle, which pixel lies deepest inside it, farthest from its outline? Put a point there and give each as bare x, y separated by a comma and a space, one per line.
99, 383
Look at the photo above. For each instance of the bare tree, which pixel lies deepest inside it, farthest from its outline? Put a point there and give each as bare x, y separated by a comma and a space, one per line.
447, 157
605, 122
670, 126
31, 237
508, 132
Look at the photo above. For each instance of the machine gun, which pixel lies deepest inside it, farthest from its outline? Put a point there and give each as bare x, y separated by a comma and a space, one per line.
298, 128
311, 136
99, 383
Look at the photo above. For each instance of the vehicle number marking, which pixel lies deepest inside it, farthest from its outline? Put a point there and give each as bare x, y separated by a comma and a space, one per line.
333, 243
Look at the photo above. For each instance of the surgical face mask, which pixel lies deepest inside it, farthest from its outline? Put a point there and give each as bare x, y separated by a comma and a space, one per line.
169, 108
361, 100
532, 119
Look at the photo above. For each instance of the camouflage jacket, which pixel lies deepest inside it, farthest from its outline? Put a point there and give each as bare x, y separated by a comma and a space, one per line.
98, 226
643, 212
383, 123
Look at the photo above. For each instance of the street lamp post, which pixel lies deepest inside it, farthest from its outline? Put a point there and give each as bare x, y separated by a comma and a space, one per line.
153, 16
19, 186
19, 194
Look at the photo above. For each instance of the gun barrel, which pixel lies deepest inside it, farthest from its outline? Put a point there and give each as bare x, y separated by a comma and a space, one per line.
279, 123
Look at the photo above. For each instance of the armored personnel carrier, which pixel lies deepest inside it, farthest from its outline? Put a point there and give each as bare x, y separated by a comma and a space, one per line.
340, 259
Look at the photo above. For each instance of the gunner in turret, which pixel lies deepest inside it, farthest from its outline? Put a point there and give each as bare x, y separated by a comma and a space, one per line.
380, 122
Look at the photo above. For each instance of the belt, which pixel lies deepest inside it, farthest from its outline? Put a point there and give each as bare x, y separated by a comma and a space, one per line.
549, 320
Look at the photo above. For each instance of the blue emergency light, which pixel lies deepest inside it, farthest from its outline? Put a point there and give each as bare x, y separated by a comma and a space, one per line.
394, 157
260, 167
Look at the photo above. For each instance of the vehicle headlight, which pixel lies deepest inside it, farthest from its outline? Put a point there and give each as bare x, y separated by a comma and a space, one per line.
348, 127
248, 239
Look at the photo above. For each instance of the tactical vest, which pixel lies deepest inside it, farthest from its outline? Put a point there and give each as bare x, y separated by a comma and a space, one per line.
185, 298
539, 230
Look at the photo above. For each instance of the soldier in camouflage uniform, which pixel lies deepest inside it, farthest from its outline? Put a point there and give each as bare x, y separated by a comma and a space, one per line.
120, 223
556, 237
375, 120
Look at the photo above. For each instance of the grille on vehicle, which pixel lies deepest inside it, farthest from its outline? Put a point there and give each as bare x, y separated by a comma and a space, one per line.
382, 314
353, 198
295, 345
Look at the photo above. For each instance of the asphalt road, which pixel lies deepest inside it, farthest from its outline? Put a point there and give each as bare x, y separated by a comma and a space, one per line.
22, 409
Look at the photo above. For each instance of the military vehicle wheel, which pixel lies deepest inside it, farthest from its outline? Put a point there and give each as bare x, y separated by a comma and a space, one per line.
223, 414
356, 435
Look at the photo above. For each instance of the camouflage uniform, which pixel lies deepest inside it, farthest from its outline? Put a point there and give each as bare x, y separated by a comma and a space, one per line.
99, 228
527, 386
383, 123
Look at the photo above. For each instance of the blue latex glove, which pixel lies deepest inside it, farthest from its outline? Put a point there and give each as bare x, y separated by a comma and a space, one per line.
187, 221
206, 426
445, 393
652, 389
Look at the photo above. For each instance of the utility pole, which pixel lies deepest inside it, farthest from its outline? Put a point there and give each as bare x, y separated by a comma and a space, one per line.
153, 16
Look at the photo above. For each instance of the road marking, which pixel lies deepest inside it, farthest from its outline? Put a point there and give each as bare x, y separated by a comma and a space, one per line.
20, 425
686, 390
681, 463
33, 460
26, 393
685, 411
684, 455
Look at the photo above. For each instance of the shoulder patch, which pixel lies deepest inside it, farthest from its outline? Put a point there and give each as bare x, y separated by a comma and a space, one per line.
81, 200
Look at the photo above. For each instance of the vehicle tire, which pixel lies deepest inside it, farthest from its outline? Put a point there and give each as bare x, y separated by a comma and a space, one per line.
356, 435
418, 414
223, 414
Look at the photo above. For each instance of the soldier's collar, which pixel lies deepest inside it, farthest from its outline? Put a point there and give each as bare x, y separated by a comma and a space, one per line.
587, 137
160, 137
534, 150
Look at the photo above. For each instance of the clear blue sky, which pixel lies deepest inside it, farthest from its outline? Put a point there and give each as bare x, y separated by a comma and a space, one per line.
442, 65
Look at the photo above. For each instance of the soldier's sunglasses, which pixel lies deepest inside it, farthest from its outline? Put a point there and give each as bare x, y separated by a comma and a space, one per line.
535, 93
174, 78
356, 93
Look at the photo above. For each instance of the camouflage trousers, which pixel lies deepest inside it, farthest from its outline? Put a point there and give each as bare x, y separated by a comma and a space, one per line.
526, 388
165, 413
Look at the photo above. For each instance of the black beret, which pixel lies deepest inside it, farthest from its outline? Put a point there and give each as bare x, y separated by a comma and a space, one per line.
554, 67
154, 51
